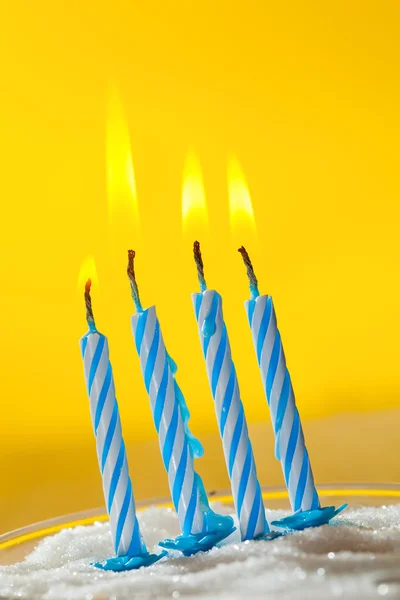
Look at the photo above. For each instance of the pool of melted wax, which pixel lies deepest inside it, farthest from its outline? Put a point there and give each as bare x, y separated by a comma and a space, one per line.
357, 557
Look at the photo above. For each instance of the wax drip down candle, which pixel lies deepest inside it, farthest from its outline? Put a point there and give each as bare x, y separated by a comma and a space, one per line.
232, 424
128, 543
201, 527
290, 446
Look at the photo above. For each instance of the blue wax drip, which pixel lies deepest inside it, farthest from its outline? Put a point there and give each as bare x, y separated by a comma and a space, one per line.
209, 326
309, 518
172, 364
128, 563
277, 445
218, 528
202, 493
195, 445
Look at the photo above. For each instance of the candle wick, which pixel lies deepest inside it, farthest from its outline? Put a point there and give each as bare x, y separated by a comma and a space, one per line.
250, 273
132, 279
89, 310
200, 266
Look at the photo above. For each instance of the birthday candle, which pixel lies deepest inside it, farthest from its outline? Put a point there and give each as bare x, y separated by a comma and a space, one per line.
110, 445
178, 446
229, 408
290, 446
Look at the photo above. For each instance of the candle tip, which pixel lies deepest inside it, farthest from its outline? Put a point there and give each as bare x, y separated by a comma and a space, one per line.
250, 272
200, 266
132, 280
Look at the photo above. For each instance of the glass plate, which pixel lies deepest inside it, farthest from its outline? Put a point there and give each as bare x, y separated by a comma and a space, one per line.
15, 545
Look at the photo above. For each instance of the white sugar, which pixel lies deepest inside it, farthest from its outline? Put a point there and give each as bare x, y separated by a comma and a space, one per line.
357, 558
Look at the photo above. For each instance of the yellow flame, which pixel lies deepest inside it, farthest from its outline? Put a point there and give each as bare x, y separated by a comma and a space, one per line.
87, 271
194, 207
123, 210
240, 207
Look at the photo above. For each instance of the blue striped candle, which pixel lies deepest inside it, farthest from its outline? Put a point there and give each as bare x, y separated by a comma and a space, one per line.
231, 419
289, 439
178, 446
111, 454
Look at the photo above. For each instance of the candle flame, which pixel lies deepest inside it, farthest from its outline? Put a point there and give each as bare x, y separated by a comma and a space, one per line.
87, 272
243, 224
194, 206
123, 210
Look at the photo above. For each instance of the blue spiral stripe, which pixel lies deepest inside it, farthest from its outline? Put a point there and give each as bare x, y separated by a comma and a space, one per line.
141, 326
187, 524
84, 342
211, 317
95, 361
219, 359
250, 310
151, 360
124, 512
226, 404
263, 328
291, 446
180, 474
301, 486
161, 395
280, 413
198, 306
235, 439
102, 397
253, 519
315, 500
136, 541
273, 365
109, 436
244, 478
116, 475
283, 401
170, 437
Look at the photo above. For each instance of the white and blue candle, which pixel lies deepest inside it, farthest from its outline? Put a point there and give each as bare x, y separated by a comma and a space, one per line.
117, 487
290, 446
201, 528
229, 409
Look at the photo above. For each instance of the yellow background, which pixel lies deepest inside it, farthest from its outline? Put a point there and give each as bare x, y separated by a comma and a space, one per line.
305, 95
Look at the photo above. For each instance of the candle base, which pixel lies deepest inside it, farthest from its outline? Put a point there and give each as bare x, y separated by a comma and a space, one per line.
309, 518
219, 527
128, 563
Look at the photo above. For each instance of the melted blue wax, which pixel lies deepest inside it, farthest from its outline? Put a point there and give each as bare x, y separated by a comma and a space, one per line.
277, 445
195, 445
172, 364
309, 518
216, 527
209, 326
128, 563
